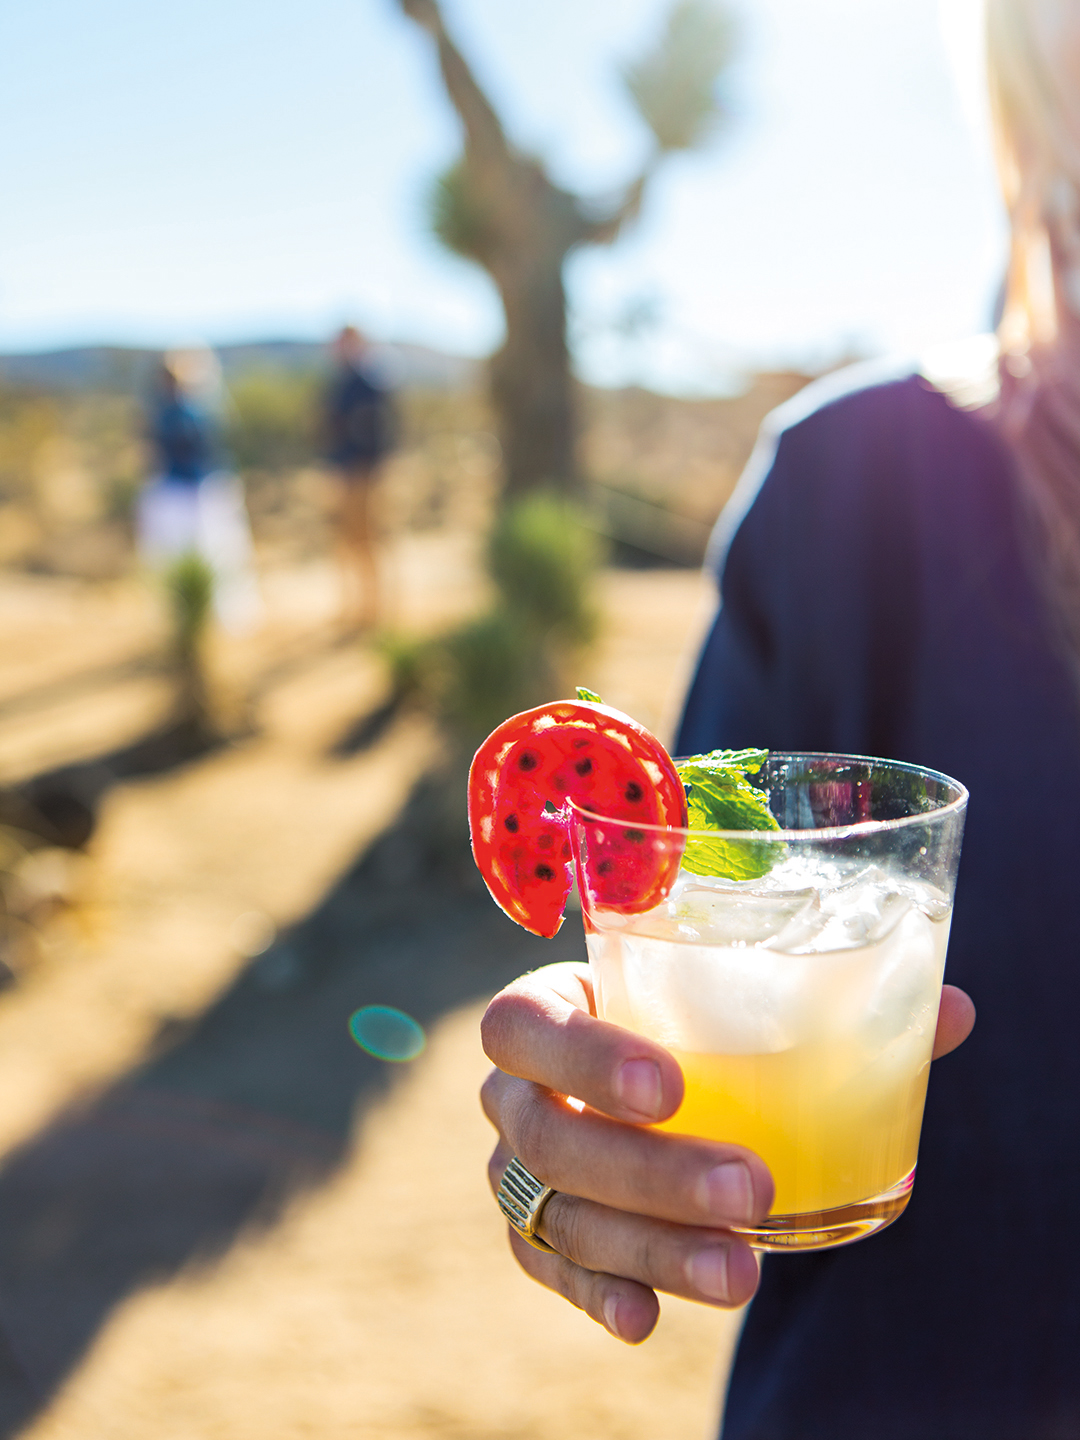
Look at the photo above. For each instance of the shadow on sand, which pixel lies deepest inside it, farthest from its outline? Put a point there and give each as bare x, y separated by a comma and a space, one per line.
60, 806
232, 1115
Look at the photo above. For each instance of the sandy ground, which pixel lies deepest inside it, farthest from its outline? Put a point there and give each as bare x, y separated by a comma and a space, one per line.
367, 1313
379, 1300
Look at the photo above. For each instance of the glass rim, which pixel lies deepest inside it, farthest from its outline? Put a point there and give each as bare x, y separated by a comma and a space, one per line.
825, 832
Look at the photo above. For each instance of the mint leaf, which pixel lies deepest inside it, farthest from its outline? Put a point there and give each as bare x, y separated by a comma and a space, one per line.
591, 695
719, 797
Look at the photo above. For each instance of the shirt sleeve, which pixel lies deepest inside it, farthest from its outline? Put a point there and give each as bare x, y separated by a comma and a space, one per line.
821, 593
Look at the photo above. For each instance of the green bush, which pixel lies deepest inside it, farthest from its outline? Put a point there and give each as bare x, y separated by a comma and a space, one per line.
486, 670
27, 422
189, 582
513, 656
273, 421
542, 558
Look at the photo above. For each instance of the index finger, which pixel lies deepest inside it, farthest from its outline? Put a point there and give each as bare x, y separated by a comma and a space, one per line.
541, 1028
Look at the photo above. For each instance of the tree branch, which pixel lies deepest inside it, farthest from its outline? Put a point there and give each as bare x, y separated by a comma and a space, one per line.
484, 134
602, 223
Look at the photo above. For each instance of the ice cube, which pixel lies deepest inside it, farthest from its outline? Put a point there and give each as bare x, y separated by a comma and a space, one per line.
724, 913
799, 936
739, 916
740, 968
907, 980
734, 1000
934, 903
861, 911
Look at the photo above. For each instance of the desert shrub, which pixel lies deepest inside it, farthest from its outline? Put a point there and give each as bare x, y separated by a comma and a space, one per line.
486, 670
541, 558
189, 582
406, 657
27, 422
273, 420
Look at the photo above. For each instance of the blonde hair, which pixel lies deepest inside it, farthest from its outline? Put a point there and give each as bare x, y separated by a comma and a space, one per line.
1033, 54
1033, 60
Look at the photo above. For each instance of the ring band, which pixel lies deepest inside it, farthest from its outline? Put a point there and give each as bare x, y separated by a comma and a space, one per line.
522, 1198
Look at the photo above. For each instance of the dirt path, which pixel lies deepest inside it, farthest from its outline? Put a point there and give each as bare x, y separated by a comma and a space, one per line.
358, 1316
357, 1311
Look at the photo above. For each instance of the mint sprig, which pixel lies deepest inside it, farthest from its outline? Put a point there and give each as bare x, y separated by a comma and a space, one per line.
591, 695
719, 797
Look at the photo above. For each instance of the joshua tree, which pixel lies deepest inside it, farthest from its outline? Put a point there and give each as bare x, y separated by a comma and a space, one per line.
498, 207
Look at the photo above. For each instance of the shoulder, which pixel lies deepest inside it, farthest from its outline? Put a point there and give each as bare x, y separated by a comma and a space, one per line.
883, 431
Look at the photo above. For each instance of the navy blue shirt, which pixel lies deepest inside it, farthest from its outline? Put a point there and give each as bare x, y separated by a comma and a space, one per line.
359, 418
185, 439
880, 597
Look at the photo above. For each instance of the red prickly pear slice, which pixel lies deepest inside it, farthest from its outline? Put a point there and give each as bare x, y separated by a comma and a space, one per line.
521, 783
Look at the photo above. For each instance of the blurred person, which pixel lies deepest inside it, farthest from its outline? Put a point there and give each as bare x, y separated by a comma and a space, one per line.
900, 576
193, 504
359, 425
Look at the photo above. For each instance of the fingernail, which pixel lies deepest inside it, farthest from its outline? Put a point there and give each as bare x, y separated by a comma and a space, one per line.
639, 1088
611, 1315
707, 1272
728, 1192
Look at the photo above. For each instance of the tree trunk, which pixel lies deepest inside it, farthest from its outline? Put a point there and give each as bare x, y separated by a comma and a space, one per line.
520, 227
531, 384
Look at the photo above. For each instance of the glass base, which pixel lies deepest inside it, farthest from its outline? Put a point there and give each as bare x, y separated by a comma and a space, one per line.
825, 1229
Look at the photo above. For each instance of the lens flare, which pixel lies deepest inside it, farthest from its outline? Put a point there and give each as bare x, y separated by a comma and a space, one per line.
386, 1033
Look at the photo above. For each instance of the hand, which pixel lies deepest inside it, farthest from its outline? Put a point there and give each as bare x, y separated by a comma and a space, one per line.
635, 1210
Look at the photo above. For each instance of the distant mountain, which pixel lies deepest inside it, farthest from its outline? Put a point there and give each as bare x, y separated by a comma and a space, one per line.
124, 369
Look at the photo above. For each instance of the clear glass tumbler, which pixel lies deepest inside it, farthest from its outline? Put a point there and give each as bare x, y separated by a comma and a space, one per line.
801, 999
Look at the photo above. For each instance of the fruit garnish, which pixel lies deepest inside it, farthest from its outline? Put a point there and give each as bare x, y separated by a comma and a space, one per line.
719, 797
521, 785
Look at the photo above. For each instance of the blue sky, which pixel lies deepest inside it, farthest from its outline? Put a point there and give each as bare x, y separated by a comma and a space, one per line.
231, 169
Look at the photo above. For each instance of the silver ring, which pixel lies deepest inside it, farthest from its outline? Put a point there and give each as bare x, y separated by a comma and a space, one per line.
522, 1198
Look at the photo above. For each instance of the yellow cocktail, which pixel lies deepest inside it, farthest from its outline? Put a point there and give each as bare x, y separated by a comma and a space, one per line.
800, 1003
848, 1134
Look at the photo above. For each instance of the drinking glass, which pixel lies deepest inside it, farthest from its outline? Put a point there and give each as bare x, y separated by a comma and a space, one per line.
799, 988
